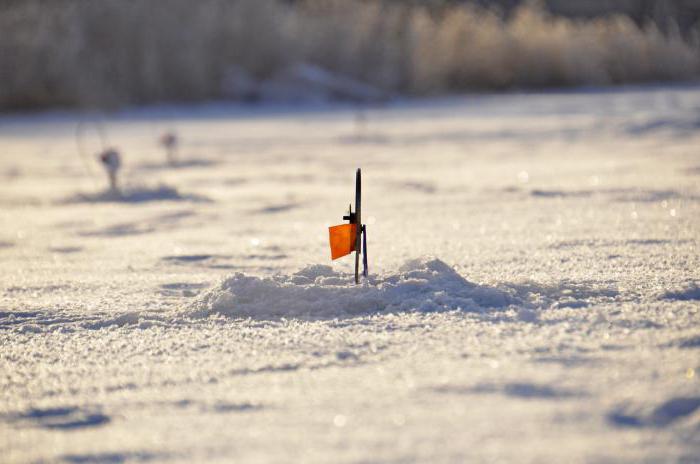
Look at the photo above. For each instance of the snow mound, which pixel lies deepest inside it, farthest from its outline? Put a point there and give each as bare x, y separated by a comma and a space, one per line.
135, 194
317, 291
179, 164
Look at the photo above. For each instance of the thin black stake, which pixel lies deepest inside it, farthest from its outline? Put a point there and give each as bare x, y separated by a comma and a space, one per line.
364, 251
358, 222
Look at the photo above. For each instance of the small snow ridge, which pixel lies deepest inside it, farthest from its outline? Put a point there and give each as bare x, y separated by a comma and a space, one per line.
63, 418
685, 124
276, 208
426, 285
179, 164
108, 458
135, 195
688, 293
667, 413
524, 390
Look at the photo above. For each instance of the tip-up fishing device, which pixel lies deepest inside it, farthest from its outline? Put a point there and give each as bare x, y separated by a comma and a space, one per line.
346, 238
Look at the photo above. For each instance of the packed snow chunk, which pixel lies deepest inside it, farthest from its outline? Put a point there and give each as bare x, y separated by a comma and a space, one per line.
318, 291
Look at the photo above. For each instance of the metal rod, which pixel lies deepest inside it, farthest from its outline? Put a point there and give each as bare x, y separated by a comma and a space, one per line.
364, 251
358, 221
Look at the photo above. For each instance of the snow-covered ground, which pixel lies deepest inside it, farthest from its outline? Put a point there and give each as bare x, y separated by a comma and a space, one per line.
534, 292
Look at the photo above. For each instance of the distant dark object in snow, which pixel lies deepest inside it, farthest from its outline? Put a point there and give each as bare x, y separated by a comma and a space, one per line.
615, 194
668, 412
264, 257
273, 209
109, 458
202, 260
517, 389
169, 142
600, 243
180, 164
689, 293
695, 170
188, 258
224, 407
111, 160
66, 249
678, 125
418, 186
686, 343
64, 418
136, 195
119, 230
301, 82
567, 360
561, 193
12, 173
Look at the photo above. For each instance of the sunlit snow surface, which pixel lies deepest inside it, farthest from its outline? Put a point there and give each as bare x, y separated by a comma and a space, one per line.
534, 291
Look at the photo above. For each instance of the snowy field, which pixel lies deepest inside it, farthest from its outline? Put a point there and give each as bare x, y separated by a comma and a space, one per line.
534, 294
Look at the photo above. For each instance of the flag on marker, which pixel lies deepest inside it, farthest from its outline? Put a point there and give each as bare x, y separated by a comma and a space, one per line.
346, 238
342, 240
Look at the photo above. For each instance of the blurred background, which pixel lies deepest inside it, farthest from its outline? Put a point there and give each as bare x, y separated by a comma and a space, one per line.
112, 53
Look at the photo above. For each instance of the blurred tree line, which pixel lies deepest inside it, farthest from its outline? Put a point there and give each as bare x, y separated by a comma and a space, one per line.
109, 53
683, 13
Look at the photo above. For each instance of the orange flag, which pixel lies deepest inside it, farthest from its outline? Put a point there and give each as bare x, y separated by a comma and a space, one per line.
342, 239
